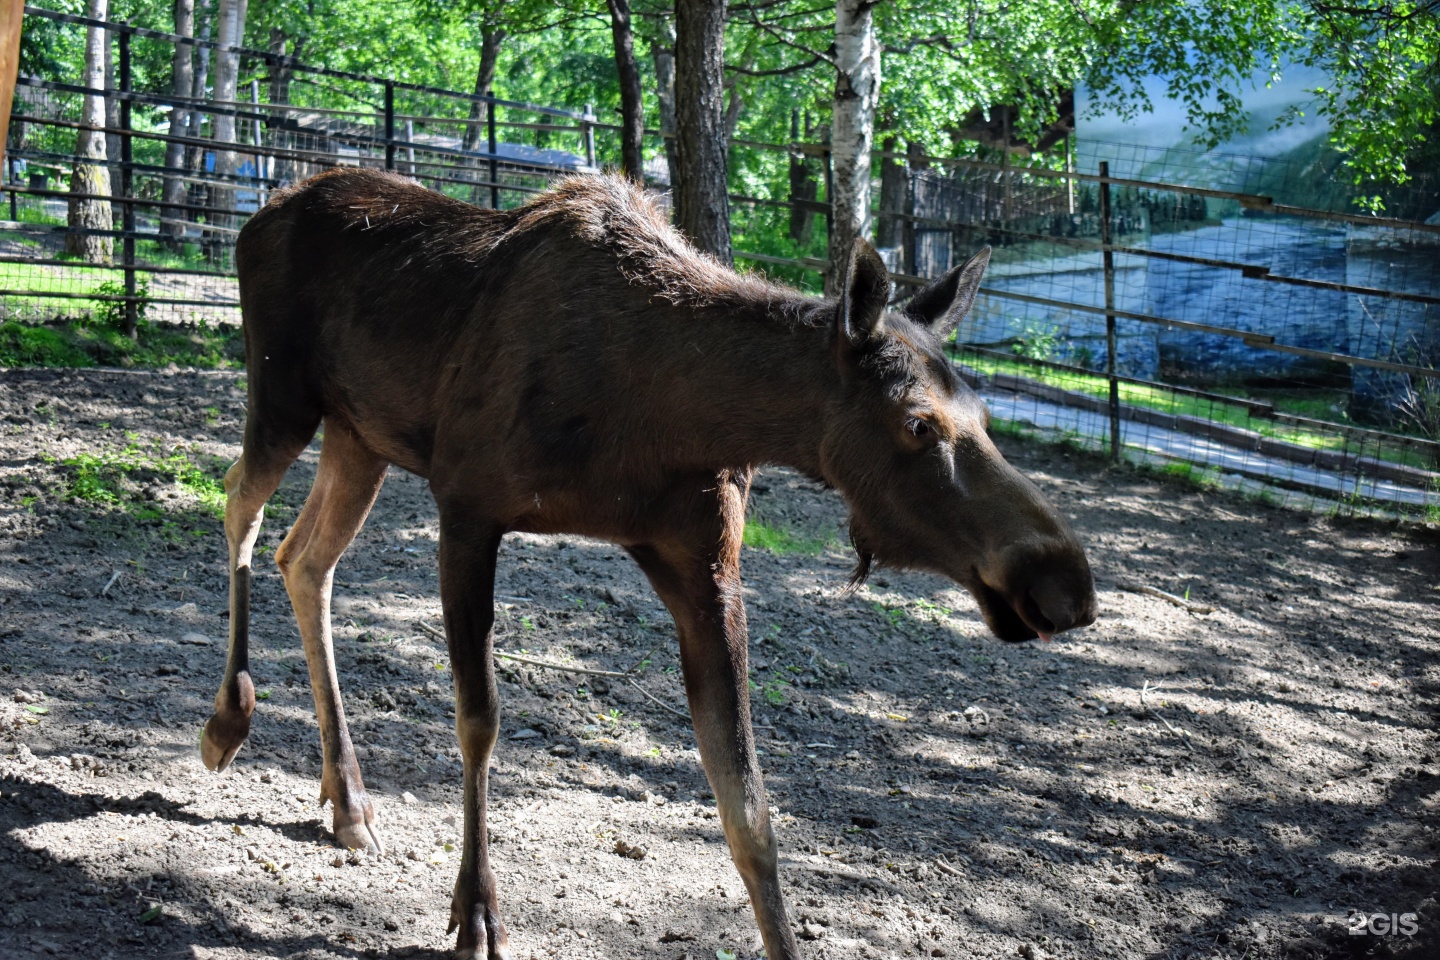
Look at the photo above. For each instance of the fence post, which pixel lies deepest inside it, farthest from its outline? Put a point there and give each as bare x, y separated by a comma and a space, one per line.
127, 240
389, 125
586, 125
492, 140
1108, 255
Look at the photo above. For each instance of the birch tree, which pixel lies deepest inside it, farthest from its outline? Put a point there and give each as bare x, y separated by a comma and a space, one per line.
90, 175
227, 75
172, 223
852, 131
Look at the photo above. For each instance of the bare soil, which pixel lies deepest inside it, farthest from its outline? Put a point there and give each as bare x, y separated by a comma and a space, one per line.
1165, 784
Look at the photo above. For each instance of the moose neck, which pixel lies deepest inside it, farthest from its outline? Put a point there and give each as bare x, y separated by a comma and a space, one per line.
761, 391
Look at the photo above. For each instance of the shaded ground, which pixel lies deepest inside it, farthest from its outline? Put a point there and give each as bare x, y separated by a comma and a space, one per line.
939, 794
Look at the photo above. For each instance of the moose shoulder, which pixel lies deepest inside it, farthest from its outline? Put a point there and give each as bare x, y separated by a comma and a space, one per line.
575, 366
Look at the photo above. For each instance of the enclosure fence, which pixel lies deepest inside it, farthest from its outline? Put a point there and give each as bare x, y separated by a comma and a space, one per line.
1281, 343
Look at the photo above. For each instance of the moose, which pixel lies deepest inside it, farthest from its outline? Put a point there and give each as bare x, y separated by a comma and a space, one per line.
575, 366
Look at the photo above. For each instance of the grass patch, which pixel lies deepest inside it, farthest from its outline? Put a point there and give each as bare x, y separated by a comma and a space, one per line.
121, 478
760, 535
80, 343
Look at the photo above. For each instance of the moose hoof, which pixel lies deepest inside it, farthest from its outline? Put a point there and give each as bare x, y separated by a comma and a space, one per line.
358, 836
221, 740
482, 935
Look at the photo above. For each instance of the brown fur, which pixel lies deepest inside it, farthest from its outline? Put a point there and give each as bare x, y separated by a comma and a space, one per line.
575, 366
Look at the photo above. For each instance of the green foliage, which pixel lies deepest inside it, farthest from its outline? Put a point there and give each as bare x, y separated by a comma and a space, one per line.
110, 314
115, 477
781, 540
80, 343
22, 345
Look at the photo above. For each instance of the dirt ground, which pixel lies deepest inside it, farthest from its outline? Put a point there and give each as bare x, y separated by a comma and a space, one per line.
1165, 784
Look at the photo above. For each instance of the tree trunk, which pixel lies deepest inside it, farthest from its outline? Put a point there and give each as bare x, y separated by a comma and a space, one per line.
227, 76
663, 51
89, 174
196, 194
281, 73
890, 231
112, 104
857, 91
632, 109
172, 224
802, 186
701, 206
491, 37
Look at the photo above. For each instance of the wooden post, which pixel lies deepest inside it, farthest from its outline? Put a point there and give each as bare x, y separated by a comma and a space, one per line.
12, 12
1108, 256
492, 140
587, 126
127, 191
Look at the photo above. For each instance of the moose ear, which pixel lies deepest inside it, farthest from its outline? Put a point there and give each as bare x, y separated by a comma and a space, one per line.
943, 303
863, 294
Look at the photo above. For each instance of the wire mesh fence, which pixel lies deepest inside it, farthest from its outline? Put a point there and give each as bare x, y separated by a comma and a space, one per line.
1229, 320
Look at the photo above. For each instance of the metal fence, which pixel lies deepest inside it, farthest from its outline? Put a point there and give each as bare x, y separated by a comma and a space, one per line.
1280, 343
1229, 338
186, 170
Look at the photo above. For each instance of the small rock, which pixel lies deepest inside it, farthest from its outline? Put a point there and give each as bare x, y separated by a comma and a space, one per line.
338, 862
414, 855
562, 750
809, 931
185, 611
25, 696
633, 851
195, 639
391, 925
676, 936
167, 670
526, 734
408, 797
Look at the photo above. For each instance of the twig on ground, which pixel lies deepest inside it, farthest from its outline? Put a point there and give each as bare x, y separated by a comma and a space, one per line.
1131, 586
509, 599
658, 702
105, 591
627, 674
829, 871
562, 667
1175, 730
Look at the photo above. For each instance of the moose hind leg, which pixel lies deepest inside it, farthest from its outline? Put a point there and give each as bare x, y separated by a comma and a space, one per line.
249, 483
346, 484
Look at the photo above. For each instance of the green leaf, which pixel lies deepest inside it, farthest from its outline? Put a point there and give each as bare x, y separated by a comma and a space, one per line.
723, 954
151, 915
33, 708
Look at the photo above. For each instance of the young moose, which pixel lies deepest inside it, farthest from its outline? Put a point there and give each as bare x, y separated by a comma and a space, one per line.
574, 366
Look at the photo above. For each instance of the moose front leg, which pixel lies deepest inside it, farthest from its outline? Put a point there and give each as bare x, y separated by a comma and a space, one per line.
467, 586
696, 572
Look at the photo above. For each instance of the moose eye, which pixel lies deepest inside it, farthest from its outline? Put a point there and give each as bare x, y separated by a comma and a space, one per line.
917, 427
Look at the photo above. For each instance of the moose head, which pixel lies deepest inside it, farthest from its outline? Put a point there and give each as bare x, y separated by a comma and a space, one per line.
907, 444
